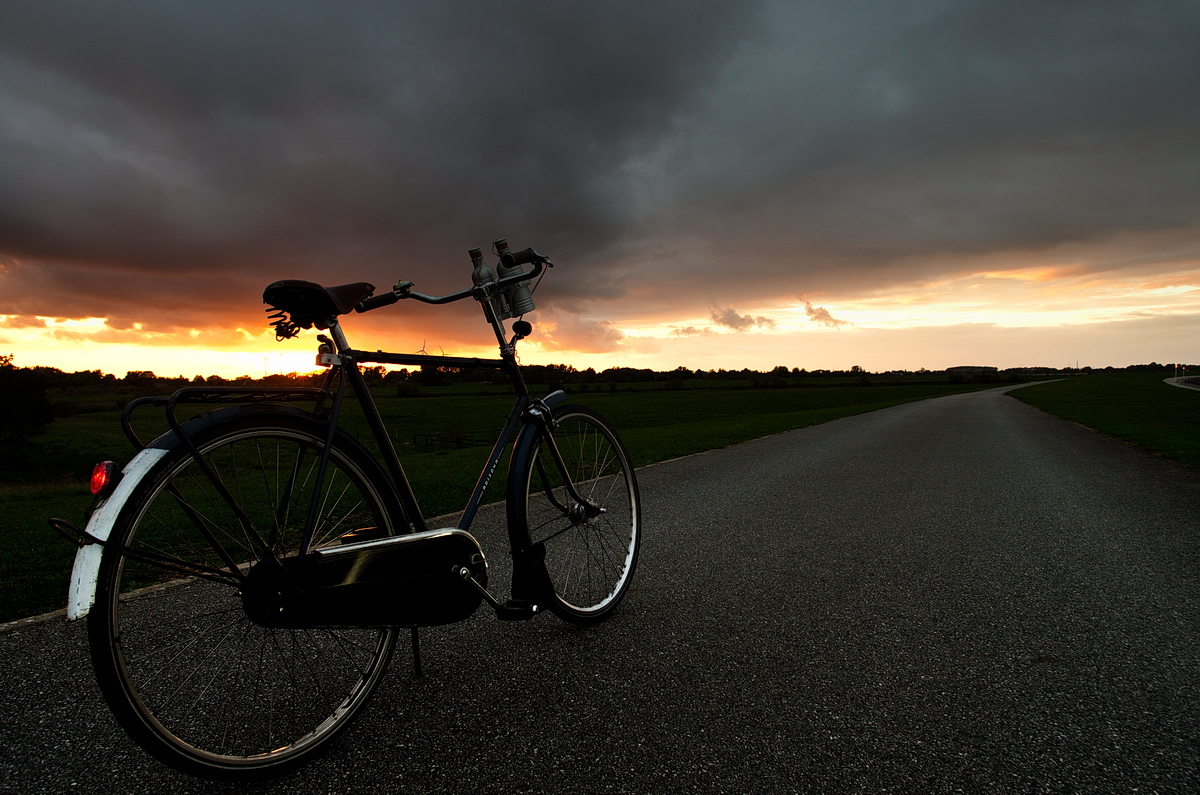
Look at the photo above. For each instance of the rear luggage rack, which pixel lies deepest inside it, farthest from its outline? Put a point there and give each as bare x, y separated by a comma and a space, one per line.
215, 394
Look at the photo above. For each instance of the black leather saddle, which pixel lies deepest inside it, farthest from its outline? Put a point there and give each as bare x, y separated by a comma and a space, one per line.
299, 304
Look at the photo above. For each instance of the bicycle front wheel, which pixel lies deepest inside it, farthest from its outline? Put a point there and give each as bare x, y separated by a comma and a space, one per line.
196, 678
591, 531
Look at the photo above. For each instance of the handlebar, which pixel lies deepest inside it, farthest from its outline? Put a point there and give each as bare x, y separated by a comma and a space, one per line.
404, 289
376, 301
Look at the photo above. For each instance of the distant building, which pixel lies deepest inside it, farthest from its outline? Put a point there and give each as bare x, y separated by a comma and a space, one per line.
971, 369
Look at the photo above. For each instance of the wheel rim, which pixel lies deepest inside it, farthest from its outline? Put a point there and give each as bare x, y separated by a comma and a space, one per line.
202, 677
589, 559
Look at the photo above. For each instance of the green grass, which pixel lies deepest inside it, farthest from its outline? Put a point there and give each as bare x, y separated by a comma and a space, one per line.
656, 424
37, 563
1135, 407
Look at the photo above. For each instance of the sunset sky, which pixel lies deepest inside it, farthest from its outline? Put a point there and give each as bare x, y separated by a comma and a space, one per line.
893, 185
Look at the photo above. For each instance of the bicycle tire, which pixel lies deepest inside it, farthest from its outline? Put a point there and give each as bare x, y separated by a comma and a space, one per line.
187, 673
589, 561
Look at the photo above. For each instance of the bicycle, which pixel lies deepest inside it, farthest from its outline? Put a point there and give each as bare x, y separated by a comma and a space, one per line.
248, 574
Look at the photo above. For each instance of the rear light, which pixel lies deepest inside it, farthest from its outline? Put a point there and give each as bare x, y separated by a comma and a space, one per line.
104, 478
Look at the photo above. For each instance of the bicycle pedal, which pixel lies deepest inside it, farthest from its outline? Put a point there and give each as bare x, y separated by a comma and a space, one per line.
515, 610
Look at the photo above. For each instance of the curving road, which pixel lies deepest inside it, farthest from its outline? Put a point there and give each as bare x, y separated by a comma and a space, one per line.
958, 594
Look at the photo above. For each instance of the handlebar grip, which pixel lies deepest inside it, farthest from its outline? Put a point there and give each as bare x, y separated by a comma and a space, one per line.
511, 259
374, 302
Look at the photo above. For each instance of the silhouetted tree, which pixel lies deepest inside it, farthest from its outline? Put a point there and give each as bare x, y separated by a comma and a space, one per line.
25, 411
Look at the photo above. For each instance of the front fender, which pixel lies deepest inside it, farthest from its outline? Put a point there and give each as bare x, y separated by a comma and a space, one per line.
86, 572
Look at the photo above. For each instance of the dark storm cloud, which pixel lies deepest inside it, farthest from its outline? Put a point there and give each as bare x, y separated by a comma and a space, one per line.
150, 138
161, 160
882, 133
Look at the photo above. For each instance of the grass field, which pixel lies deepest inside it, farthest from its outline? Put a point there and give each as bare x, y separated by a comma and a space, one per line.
656, 424
1135, 407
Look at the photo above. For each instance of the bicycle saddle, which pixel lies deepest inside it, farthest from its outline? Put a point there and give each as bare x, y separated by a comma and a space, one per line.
298, 304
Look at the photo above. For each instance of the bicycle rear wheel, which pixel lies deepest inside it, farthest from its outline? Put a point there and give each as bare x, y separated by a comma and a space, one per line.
187, 671
591, 544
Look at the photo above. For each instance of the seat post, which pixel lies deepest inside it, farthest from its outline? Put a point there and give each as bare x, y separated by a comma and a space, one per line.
339, 337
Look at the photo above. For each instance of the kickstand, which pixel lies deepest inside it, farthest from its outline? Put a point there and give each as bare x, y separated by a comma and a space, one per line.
416, 649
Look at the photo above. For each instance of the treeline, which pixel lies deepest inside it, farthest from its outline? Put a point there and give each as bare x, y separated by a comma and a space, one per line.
36, 390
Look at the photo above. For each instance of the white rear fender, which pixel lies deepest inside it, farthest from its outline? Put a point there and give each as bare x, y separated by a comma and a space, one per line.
86, 572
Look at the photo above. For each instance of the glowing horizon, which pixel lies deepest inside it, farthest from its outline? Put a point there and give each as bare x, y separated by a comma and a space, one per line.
894, 329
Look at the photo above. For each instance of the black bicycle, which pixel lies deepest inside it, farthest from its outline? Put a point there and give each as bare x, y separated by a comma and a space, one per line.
250, 571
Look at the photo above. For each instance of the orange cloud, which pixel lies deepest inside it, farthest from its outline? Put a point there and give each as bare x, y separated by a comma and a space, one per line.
569, 333
729, 318
19, 321
819, 314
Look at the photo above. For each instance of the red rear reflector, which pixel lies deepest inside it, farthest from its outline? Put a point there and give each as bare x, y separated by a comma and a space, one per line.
104, 478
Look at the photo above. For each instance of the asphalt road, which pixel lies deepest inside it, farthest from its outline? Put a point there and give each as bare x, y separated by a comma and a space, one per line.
958, 594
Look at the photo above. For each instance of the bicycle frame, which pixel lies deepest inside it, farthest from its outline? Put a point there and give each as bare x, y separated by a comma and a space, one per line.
346, 361
524, 408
